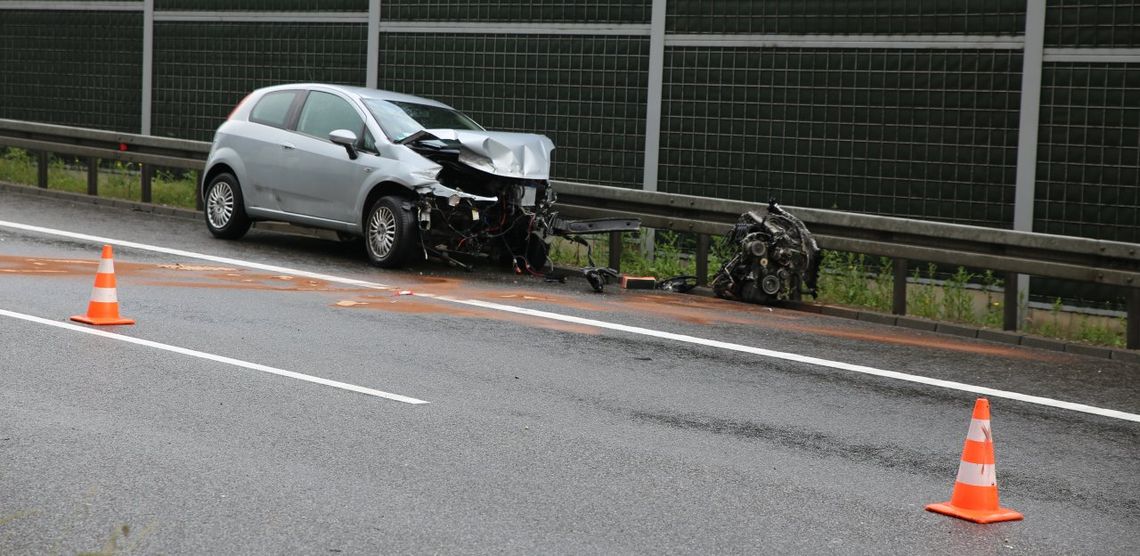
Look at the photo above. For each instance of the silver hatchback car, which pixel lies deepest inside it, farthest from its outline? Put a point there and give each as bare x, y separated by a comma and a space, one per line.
409, 174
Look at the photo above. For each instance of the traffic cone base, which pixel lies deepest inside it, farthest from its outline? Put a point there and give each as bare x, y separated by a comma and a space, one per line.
105, 321
977, 516
103, 310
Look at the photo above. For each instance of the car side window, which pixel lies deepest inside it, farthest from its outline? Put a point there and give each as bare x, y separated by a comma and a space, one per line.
368, 142
273, 108
324, 112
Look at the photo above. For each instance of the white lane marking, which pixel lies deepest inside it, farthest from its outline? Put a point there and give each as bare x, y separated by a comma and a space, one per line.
193, 255
212, 357
947, 384
807, 359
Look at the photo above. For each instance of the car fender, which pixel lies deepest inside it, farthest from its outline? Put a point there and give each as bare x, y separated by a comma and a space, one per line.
229, 157
387, 185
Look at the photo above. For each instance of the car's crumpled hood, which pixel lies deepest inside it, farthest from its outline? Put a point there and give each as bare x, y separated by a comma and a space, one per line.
502, 153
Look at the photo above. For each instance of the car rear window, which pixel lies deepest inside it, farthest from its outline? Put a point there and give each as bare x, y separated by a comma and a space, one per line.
273, 108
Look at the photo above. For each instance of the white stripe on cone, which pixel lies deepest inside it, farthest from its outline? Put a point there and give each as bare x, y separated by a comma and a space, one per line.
977, 474
104, 295
106, 266
979, 430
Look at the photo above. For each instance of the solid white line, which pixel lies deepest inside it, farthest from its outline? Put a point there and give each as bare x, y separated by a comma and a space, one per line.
193, 255
212, 357
951, 385
807, 359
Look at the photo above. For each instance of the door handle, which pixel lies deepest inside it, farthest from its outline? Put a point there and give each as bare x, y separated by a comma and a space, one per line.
287, 146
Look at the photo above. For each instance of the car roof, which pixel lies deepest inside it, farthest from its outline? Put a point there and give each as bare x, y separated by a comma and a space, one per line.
362, 93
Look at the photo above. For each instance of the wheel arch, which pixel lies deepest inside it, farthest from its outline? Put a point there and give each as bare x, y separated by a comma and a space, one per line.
383, 189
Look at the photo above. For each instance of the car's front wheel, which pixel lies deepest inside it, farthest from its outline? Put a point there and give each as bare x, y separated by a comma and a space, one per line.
390, 233
225, 208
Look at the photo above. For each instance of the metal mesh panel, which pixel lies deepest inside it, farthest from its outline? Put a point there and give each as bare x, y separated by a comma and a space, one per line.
579, 11
926, 134
72, 68
981, 17
1088, 170
267, 5
1092, 23
203, 69
587, 93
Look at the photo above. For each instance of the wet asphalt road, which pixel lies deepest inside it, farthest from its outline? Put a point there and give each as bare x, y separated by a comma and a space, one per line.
540, 436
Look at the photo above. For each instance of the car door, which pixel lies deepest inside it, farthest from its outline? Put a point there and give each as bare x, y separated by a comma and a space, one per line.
322, 181
263, 143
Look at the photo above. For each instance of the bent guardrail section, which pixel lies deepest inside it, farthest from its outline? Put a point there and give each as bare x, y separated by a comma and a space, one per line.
1012, 252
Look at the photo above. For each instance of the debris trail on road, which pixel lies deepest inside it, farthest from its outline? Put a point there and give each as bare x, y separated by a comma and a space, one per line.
947, 384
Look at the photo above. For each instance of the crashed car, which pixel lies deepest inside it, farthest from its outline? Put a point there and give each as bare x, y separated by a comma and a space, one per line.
412, 176
775, 258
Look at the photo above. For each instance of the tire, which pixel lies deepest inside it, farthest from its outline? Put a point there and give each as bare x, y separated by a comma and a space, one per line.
225, 208
390, 233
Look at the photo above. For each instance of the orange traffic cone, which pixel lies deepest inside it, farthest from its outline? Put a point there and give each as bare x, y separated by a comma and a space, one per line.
975, 496
104, 306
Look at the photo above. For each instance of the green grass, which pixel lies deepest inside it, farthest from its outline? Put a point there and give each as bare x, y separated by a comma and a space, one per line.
117, 180
848, 279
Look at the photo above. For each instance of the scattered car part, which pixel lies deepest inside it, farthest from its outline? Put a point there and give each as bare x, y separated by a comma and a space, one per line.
776, 259
638, 282
679, 284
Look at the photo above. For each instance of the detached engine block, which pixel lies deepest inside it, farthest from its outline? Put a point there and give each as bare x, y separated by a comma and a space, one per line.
777, 259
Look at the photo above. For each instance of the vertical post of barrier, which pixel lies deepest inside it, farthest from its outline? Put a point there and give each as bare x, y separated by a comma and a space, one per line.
42, 169
147, 67
702, 259
898, 293
655, 79
1029, 121
1011, 312
615, 250
93, 176
372, 72
1132, 334
147, 176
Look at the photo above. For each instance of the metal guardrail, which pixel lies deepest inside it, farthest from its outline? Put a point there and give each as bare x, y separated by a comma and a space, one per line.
1014, 253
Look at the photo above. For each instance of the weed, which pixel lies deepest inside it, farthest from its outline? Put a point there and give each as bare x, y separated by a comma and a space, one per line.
993, 316
17, 166
957, 303
921, 298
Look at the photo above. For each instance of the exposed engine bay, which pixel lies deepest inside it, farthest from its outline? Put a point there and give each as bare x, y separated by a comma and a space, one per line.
493, 198
776, 259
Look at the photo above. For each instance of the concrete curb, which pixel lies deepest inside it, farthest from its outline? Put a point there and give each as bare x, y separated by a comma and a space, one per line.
999, 336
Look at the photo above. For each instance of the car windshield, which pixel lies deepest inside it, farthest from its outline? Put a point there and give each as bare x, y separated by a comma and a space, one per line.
401, 119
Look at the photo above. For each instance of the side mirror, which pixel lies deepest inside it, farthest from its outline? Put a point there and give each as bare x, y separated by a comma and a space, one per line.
346, 139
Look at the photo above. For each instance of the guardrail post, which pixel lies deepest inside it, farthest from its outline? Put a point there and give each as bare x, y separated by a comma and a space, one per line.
147, 175
42, 169
615, 250
898, 297
199, 203
92, 176
702, 259
1132, 334
1011, 318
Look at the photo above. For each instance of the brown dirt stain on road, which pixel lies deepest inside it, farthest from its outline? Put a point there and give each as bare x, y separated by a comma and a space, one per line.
416, 305
685, 308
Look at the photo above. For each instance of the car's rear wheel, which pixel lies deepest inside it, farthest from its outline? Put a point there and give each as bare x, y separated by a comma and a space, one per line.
225, 208
389, 233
